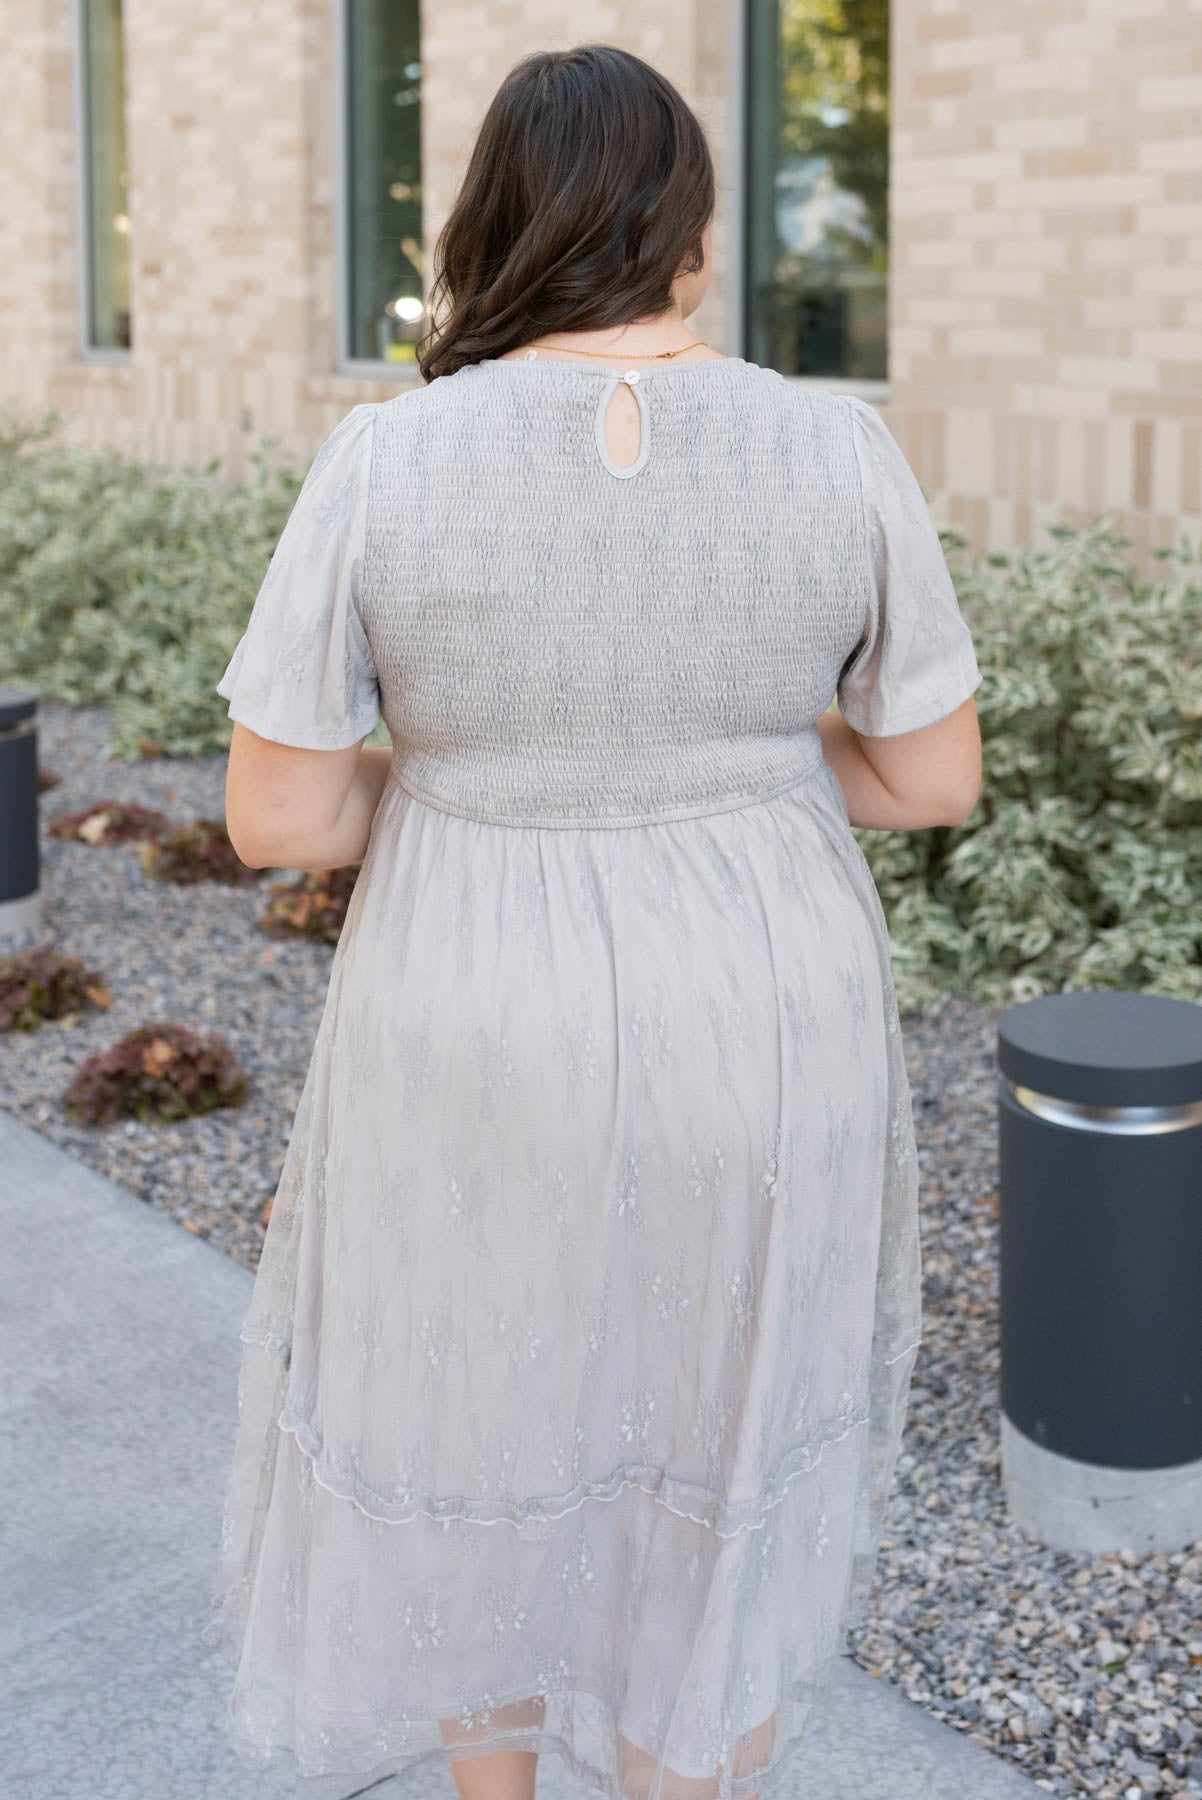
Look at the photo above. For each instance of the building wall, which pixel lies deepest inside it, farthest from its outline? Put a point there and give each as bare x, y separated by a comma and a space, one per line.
231, 155
1046, 278
1046, 263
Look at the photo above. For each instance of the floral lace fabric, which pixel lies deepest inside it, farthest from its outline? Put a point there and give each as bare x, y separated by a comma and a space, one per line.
577, 1360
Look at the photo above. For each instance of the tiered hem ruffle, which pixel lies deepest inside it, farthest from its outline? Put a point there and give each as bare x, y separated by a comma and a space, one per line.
584, 1728
802, 1705
684, 1498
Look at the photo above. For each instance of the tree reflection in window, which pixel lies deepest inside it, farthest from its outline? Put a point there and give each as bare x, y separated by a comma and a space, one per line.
817, 170
384, 180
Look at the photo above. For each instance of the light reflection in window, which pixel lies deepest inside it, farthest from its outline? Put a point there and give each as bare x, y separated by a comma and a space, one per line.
817, 127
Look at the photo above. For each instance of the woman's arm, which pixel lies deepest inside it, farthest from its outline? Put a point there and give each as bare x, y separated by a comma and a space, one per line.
301, 809
912, 779
313, 809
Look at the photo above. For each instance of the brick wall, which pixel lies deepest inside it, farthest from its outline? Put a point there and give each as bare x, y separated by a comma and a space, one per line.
231, 198
1046, 266
1046, 285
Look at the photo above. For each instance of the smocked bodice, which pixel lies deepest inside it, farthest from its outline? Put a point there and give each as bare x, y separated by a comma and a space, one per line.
558, 644
555, 640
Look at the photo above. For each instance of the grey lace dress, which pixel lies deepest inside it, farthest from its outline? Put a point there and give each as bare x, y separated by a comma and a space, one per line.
579, 1350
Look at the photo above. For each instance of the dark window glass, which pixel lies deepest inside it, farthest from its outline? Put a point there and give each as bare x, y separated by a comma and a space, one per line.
817, 123
384, 180
105, 175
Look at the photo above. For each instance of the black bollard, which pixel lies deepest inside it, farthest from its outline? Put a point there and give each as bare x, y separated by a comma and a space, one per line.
1100, 1216
19, 852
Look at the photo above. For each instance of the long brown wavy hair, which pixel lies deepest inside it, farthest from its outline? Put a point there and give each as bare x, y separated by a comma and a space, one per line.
587, 192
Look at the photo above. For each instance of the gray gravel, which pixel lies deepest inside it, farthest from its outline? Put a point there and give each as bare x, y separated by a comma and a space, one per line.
988, 1631
194, 955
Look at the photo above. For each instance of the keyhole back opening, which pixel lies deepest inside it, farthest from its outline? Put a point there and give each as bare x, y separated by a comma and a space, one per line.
623, 434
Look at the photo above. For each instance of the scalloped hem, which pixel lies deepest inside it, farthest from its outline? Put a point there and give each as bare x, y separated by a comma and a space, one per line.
685, 1499
328, 1779
331, 1784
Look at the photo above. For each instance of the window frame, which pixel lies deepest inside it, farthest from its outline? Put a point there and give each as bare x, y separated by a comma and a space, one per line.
361, 368
86, 350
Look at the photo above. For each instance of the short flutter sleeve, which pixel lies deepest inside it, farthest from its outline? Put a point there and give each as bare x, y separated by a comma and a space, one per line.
303, 672
917, 663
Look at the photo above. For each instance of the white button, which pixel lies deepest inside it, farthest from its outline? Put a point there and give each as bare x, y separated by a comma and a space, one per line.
631, 376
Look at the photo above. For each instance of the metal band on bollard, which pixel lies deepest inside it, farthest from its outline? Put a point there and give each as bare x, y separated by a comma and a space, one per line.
1075, 1113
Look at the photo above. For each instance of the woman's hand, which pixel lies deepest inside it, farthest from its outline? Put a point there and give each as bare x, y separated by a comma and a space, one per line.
301, 809
911, 780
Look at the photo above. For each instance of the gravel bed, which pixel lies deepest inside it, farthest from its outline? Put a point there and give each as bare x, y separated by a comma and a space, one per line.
1085, 1672
193, 955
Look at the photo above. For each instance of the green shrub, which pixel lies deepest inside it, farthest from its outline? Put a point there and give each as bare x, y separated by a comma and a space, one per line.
108, 822
199, 851
1081, 864
126, 586
156, 1072
314, 905
41, 984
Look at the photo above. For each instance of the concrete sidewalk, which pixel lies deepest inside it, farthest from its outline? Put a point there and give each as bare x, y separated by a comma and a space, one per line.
119, 1337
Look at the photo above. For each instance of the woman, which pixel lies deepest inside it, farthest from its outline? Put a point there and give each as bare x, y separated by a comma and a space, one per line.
580, 1345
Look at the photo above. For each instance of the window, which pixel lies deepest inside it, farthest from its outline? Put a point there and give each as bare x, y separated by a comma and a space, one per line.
816, 203
383, 198
104, 176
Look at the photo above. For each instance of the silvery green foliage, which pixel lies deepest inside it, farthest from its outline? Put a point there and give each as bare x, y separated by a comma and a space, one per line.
125, 585
1081, 864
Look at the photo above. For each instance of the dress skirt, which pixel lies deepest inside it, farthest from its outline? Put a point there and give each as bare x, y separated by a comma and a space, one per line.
578, 1356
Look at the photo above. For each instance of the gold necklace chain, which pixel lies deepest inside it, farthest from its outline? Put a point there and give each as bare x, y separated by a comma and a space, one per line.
631, 355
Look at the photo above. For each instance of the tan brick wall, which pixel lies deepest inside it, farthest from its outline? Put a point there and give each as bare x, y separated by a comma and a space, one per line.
232, 122
1046, 263
1046, 286
231, 151
37, 197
